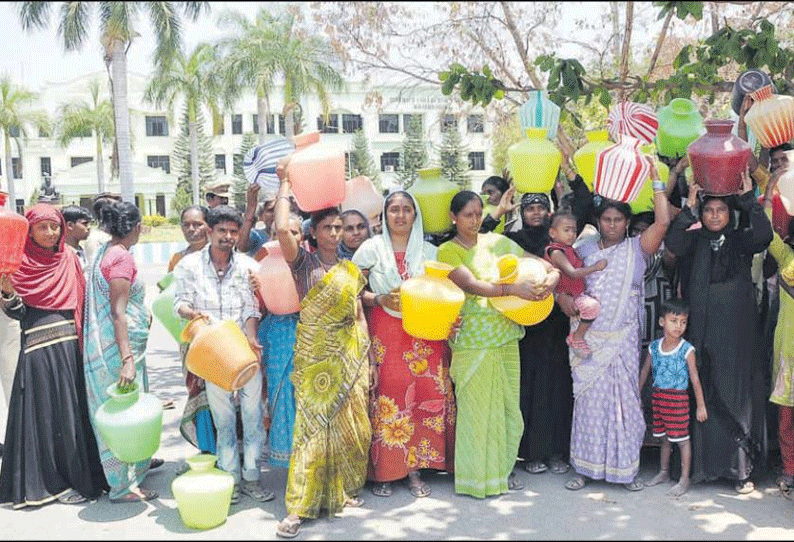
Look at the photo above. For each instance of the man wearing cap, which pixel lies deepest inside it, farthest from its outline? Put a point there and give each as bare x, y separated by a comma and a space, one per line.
217, 193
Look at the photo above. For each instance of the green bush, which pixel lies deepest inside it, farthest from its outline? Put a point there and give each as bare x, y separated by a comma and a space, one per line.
173, 220
154, 220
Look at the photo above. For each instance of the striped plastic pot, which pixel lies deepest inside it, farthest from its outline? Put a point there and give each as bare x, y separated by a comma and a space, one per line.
771, 117
636, 120
621, 170
540, 112
259, 164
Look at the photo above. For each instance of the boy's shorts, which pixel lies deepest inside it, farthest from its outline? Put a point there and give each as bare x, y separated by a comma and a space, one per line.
670, 414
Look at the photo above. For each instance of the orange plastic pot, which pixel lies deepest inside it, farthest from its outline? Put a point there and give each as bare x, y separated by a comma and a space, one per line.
219, 353
13, 231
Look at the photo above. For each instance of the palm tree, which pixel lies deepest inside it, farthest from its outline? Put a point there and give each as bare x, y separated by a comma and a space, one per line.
81, 119
194, 78
117, 22
15, 117
273, 47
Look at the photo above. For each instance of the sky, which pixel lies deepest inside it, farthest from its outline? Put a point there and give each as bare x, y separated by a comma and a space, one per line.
36, 57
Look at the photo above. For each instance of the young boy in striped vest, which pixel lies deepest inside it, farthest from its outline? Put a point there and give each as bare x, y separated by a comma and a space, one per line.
673, 362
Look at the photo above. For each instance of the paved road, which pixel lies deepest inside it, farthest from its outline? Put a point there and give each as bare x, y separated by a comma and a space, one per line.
543, 510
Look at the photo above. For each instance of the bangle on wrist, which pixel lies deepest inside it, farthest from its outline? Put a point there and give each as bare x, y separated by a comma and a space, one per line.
658, 185
377, 297
9, 297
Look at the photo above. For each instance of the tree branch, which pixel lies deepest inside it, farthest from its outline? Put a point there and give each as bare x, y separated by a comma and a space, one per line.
624, 57
660, 41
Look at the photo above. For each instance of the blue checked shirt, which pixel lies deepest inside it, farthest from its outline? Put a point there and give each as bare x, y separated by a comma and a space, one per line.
229, 297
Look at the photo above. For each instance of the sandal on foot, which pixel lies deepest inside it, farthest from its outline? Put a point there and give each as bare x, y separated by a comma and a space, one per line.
156, 463
514, 483
354, 502
535, 467
382, 489
73, 497
576, 483
785, 482
144, 495
635, 485
558, 466
419, 490
744, 487
256, 492
288, 528
168, 404
235, 494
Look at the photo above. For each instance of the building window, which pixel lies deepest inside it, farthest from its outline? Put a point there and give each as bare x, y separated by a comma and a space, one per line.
408, 117
220, 162
474, 123
237, 124
448, 122
255, 120
156, 126
389, 161
237, 164
13, 131
282, 126
77, 160
160, 204
332, 127
21, 206
46, 166
351, 123
43, 132
389, 124
16, 167
477, 161
271, 124
161, 161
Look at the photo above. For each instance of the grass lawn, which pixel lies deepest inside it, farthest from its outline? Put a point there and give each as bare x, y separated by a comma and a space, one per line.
161, 234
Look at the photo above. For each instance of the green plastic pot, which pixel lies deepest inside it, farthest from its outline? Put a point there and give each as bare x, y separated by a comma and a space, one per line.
163, 310
434, 194
203, 494
130, 424
679, 125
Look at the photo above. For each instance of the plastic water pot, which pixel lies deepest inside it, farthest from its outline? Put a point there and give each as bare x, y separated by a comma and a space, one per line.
430, 303
644, 200
540, 112
522, 311
163, 310
361, 194
718, 158
585, 157
434, 194
621, 170
534, 162
636, 120
203, 494
680, 124
13, 232
278, 286
317, 174
771, 117
219, 353
130, 423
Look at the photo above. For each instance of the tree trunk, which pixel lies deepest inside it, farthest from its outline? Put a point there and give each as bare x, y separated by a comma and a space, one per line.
624, 57
615, 30
289, 120
100, 165
194, 163
12, 194
660, 41
122, 114
261, 116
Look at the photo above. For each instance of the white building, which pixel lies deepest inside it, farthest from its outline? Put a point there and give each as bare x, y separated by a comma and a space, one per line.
381, 110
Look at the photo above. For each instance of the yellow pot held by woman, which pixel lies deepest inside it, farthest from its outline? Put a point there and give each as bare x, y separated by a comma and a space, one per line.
521, 311
430, 303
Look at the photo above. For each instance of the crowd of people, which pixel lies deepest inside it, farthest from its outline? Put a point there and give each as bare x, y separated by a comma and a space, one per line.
677, 303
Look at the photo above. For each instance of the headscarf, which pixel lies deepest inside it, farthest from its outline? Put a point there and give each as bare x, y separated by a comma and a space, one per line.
725, 253
342, 250
377, 255
533, 239
50, 280
535, 197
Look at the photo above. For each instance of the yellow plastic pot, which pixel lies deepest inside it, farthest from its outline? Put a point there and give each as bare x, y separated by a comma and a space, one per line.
522, 311
644, 200
534, 162
203, 494
431, 303
585, 158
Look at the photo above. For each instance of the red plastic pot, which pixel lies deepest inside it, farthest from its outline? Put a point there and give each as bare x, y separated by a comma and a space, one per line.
718, 158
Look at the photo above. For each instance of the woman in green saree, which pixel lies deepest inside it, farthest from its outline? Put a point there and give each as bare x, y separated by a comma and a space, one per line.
485, 360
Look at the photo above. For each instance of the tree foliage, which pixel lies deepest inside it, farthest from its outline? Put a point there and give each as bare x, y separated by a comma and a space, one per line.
361, 160
454, 160
183, 193
240, 188
413, 153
